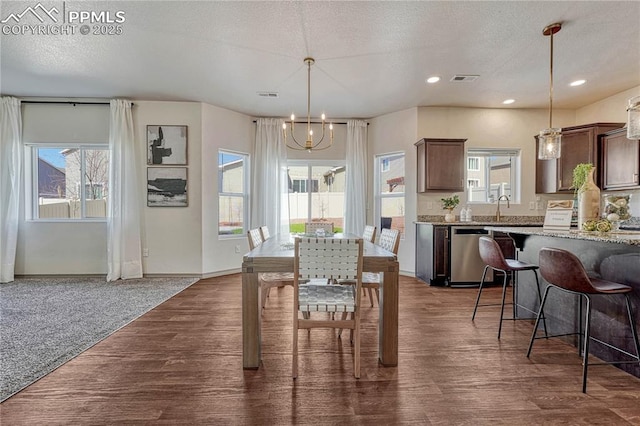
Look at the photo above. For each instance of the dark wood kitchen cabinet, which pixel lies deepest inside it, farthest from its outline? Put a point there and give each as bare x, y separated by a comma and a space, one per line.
432, 253
440, 165
620, 161
579, 145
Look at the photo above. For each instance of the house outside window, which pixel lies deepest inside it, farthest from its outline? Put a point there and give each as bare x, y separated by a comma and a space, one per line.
473, 163
390, 191
233, 193
495, 172
316, 193
58, 176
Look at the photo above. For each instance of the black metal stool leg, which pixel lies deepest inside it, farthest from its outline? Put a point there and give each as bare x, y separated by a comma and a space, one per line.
475, 309
504, 293
535, 327
585, 355
544, 320
634, 331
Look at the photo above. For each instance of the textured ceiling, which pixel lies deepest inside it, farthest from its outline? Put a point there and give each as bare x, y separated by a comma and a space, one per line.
371, 57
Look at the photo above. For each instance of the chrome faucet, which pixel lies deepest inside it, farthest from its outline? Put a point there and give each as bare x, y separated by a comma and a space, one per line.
502, 197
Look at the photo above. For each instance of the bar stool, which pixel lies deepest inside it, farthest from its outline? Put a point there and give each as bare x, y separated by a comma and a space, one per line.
493, 258
564, 271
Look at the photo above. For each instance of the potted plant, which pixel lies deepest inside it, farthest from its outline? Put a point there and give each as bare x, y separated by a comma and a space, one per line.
449, 204
580, 173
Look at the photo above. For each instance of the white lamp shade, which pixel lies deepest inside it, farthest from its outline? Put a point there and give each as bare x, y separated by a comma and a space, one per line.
549, 144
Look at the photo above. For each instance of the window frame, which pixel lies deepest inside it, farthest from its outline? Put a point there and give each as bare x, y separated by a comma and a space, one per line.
378, 169
31, 173
515, 155
246, 158
310, 164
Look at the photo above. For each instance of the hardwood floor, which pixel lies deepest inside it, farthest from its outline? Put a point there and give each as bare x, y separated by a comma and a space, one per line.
181, 364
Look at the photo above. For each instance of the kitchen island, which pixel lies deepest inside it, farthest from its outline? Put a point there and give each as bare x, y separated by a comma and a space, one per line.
610, 256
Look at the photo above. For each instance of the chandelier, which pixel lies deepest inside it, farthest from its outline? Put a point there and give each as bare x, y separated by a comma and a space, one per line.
549, 139
309, 144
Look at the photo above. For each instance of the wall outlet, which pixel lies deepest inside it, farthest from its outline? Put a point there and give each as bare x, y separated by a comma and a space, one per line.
538, 206
429, 205
145, 252
237, 249
532, 205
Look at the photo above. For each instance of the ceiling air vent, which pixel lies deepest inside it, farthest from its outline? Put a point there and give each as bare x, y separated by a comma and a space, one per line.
268, 94
465, 78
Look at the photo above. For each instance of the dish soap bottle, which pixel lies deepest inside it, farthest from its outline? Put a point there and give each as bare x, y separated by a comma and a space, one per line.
463, 215
468, 215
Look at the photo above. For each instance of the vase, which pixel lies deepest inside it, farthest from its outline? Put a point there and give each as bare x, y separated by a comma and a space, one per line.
588, 200
450, 217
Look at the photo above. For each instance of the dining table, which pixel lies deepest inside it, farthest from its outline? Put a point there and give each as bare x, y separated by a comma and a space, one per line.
276, 254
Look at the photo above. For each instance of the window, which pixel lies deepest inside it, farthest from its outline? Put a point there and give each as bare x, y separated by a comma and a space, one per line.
390, 189
473, 163
300, 185
495, 172
60, 173
233, 193
316, 194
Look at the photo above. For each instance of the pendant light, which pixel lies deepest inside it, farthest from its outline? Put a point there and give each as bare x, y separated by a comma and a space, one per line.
549, 139
310, 144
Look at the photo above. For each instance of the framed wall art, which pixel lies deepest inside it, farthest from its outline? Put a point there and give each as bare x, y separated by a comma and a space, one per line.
166, 145
167, 187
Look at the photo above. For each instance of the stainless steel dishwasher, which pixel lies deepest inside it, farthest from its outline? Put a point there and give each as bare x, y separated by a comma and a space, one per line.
466, 264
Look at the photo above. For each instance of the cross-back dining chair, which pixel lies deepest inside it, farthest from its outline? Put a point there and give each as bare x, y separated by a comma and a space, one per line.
267, 280
389, 240
264, 231
369, 233
311, 227
327, 259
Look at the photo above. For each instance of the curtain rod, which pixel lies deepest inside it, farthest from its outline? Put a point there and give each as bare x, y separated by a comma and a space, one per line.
314, 122
68, 102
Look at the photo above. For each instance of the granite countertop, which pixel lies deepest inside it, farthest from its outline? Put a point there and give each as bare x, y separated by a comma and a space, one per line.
631, 238
484, 221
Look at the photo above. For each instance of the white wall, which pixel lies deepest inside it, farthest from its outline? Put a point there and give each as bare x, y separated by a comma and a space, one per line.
221, 129
173, 234
609, 110
393, 133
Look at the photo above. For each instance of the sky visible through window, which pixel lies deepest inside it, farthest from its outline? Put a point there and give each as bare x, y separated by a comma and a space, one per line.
52, 156
225, 157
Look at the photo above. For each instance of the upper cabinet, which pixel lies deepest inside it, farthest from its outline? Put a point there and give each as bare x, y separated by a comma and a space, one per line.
579, 145
440, 165
620, 162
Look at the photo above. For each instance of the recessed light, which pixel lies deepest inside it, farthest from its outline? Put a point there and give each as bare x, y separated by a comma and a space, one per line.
433, 79
577, 83
508, 101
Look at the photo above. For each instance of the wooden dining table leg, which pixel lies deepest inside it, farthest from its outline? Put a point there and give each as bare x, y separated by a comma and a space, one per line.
388, 327
250, 319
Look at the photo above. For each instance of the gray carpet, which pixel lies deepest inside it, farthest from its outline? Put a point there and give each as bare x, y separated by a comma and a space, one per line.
46, 322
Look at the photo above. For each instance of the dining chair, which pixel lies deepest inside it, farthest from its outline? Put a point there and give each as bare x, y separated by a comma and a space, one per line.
311, 227
264, 232
369, 233
267, 280
327, 259
390, 241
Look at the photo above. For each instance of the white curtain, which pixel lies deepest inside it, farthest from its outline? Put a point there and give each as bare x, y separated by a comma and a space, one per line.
270, 194
124, 248
10, 172
355, 196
